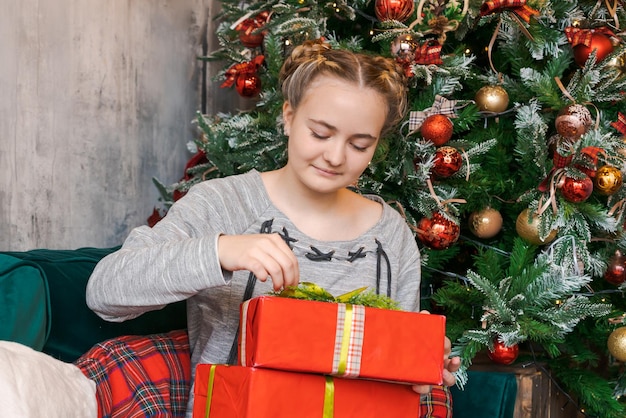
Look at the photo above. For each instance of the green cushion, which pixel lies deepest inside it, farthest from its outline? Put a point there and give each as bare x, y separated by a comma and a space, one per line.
74, 328
24, 307
486, 395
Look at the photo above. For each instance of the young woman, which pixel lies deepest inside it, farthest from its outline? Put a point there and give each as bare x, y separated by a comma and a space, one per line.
298, 223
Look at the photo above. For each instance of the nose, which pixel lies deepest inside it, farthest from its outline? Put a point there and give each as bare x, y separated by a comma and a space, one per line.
335, 153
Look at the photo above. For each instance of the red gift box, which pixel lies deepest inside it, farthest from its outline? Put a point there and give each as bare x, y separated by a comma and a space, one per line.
245, 392
341, 340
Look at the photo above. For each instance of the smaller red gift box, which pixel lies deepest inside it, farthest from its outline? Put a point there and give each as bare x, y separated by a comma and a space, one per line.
341, 340
222, 391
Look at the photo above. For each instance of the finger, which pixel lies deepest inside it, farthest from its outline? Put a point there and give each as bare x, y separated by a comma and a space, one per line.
281, 264
287, 261
421, 389
454, 364
449, 379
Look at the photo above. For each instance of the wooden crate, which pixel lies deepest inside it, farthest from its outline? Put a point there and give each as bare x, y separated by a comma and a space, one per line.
538, 396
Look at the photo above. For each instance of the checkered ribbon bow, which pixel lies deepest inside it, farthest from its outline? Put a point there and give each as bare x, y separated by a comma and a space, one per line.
518, 7
429, 53
441, 106
620, 123
579, 36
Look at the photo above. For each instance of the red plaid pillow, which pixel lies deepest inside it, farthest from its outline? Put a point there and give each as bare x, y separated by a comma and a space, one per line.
140, 376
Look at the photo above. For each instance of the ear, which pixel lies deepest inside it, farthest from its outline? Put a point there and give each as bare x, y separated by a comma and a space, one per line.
288, 113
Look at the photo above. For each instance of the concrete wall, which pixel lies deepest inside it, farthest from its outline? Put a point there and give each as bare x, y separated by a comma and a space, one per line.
96, 98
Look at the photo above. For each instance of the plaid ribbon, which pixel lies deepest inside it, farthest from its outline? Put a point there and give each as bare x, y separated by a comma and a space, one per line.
441, 106
518, 7
429, 53
620, 123
242, 68
577, 36
348, 340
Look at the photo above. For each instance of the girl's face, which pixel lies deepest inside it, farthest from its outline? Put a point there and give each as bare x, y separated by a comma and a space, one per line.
333, 133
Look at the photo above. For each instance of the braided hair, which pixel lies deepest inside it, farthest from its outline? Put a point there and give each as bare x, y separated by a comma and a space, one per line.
312, 59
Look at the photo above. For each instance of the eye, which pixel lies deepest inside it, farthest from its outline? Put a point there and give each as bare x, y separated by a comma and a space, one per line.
359, 147
318, 136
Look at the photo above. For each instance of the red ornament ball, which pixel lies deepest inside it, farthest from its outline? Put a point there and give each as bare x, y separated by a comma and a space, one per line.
600, 42
448, 161
502, 354
616, 271
573, 121
399, 10
437, 129
576, 190
438, 232
248, 84
251, 40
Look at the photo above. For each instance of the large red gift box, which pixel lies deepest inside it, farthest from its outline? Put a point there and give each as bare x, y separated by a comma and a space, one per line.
222, 391
341, 340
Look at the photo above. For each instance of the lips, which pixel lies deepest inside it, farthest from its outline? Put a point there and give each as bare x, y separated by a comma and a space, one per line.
326, 171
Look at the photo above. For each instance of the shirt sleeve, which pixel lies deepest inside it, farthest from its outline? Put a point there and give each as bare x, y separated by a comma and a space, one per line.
170, 262
409, 277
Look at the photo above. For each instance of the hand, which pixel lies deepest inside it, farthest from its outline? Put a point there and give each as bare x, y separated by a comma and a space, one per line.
450, 365
264, 255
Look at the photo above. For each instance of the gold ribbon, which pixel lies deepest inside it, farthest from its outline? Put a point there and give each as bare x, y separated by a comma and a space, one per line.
555, 183
209, 394
329, 398
345, 340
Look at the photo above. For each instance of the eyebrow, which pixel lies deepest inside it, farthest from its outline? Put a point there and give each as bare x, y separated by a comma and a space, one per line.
333, 128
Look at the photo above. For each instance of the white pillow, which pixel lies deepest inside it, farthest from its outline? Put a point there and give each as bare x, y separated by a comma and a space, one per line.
36, 385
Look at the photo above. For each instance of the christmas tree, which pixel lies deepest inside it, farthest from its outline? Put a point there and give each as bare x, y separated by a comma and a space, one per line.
508, 168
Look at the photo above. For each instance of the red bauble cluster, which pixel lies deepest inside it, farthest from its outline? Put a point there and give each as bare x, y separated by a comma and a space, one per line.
438, 232
399, 10
448, 161
616, 271
502, 354
576, 190
437, 129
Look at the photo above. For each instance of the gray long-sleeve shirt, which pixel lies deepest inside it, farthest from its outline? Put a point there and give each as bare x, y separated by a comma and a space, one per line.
177, 259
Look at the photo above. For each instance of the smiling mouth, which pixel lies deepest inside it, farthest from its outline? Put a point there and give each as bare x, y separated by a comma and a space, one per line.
327, 172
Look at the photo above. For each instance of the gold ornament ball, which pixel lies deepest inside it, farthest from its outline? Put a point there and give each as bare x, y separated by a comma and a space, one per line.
530, 231
617, 344
608, 180
485, 223
492, 99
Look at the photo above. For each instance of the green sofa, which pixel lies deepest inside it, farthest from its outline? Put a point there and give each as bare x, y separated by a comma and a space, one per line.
42, 305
